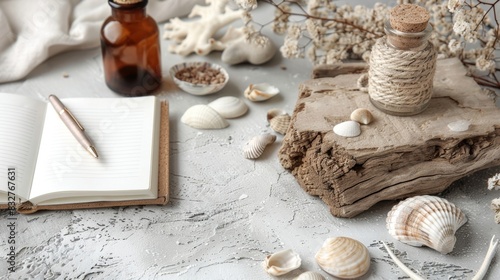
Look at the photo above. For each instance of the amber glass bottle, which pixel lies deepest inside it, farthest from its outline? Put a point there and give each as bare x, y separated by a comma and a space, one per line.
131, 49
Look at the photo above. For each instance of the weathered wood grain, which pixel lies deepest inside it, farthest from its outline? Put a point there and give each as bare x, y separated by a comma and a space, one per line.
394, 157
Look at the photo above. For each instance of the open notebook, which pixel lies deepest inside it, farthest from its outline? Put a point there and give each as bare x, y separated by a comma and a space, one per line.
53, 171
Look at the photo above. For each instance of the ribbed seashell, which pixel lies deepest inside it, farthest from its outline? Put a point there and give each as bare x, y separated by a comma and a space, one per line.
203, 117
260, 92
343, 257
426, 220
229, 107
275, 112
280, 123
310, 275
282, 262
256, 146
362, 116
347, 129
459, 126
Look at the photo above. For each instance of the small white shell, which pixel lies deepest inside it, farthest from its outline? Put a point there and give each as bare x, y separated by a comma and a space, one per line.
275, 112
229, 107
282, 262
459, 126
260, 92
343, 257
256, 146
362, 116
347, 129
203, 117
310, 275
426, 220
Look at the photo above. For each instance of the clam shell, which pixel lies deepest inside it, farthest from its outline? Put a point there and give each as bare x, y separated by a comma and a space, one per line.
260, 92
459, 126
203, 117
347, 129
362, 116
275, 112
229, 107
280, 123
310, 275
282, 262
256, 146
343, 257
426, 220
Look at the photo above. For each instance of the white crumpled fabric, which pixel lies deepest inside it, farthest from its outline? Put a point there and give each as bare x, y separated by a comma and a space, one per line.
33, 30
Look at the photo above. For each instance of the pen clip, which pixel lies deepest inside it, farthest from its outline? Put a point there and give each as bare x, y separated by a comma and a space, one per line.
73, 117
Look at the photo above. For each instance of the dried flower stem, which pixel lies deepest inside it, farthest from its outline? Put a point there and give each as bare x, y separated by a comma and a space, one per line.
467, 29
305, 14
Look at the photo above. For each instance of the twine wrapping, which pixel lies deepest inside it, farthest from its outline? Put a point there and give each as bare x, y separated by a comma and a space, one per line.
401, 80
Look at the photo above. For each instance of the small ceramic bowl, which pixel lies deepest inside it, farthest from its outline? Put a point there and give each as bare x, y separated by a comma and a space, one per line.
198, 89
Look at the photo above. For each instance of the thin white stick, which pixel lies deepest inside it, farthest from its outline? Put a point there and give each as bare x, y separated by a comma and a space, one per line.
487, 259
401, 265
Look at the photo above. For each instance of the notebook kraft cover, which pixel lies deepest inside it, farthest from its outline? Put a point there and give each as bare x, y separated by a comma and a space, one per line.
163, 179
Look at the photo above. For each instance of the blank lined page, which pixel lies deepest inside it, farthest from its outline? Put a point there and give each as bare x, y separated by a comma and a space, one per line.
21, 122
123, 133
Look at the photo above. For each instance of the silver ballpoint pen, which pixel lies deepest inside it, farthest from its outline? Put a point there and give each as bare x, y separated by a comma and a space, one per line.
73, 125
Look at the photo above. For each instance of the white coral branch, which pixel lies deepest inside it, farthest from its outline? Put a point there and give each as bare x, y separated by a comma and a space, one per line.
197, 35
487, 259
492, 249
401, 265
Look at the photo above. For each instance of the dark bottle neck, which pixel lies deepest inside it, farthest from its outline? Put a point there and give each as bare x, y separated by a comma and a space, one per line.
128, 12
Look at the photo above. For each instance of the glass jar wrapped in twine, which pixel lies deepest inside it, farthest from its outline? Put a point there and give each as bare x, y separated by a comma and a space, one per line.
402, 65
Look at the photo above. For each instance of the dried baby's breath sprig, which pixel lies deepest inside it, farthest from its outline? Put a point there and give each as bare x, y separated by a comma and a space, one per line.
246, 4
475, 24
325, 32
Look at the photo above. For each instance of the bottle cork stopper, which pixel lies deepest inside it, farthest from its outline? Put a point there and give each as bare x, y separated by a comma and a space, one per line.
127, 2
409, 18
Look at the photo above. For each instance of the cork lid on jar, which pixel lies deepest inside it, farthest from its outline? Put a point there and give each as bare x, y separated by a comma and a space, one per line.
409, 18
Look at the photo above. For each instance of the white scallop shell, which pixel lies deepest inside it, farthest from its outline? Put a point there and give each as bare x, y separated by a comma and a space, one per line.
260, 92
256, 146
362, 116
282, 262
426, 220
459, 126
310, 275
343, 257
229, 107
347, 129
203, 117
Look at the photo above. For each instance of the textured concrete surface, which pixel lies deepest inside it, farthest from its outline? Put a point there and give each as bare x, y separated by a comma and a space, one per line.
226, 213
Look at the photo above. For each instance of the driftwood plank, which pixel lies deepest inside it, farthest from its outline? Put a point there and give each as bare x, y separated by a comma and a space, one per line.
394, 157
